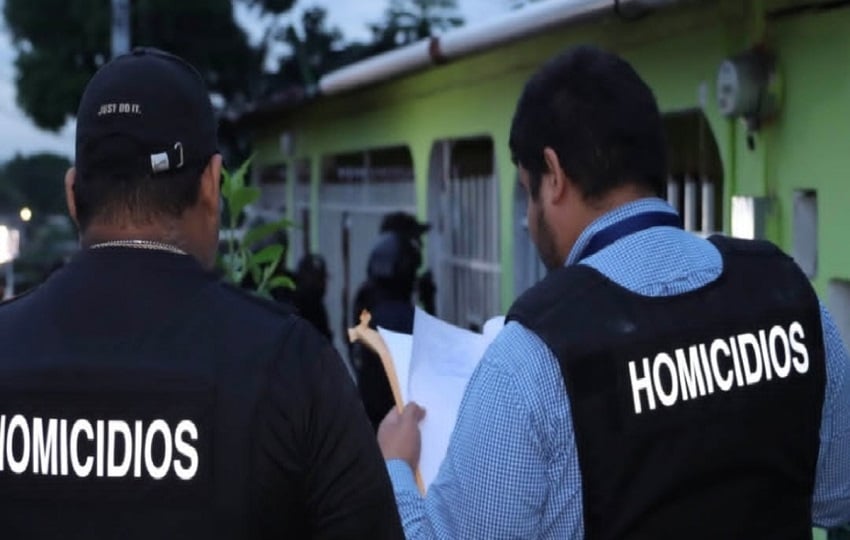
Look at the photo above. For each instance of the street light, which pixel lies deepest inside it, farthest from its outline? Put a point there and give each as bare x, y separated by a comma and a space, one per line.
26, 214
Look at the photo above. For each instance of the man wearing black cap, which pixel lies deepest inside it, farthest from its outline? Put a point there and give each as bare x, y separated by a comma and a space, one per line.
142, 397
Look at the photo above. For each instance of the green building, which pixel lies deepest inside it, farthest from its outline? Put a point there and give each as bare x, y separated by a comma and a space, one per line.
756, 96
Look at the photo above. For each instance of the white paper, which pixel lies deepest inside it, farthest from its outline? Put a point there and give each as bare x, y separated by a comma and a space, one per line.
444, 357
400, 347
492, 328
433, 367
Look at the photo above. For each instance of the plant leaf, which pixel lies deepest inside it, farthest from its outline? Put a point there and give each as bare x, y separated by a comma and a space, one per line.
238, 267
269, 271
259, 233
269, 255
240, 260
226, 184
256, 274
240, 198
238, 177
281, 281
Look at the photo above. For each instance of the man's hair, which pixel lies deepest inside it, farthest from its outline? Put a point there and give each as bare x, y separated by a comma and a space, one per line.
600, 118
114, 194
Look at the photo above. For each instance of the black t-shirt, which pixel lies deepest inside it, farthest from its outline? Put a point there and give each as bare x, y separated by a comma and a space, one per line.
142, 398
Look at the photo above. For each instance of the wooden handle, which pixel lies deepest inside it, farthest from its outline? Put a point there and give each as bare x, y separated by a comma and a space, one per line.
372, 339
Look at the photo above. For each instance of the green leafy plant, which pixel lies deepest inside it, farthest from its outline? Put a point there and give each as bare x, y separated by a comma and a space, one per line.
247, 253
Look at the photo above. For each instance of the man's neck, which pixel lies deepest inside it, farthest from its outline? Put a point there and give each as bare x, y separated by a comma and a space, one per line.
593, 210
615, 199
99, 234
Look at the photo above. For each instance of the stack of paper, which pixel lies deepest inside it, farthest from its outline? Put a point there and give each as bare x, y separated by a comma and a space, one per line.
432, 367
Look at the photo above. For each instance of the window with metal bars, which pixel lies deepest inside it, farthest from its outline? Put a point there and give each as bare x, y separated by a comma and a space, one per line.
695, 180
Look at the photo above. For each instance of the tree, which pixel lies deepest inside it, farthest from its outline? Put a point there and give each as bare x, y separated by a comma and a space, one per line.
314, 49
314, 46
35, 181
408, 21
60, 45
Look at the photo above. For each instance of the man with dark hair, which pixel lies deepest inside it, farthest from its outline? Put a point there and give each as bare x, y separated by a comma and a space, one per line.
144, 398
655, 384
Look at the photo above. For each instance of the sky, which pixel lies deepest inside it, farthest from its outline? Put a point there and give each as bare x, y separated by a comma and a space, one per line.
19, 135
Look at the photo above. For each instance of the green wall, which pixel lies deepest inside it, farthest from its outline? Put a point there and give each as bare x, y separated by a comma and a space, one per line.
809, 147
678, 51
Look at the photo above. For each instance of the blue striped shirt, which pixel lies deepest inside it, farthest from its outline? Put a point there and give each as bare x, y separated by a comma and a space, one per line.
512, 470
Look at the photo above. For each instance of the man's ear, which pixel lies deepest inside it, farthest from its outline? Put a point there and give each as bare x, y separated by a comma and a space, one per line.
70, 178
210, 193
557, 187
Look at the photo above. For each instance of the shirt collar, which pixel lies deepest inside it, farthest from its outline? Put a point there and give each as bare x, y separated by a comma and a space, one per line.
640, 206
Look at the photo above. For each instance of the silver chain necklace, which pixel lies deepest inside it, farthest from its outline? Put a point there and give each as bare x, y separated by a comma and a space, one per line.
140, 244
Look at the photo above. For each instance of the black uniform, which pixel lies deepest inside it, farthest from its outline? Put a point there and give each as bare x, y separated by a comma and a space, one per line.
392, 311
143, 398
698, 415
309, 294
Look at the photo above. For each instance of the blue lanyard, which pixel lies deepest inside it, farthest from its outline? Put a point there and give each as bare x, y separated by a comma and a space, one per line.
631, 225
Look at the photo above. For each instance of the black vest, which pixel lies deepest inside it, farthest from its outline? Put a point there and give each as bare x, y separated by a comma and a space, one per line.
696, 415
142, 398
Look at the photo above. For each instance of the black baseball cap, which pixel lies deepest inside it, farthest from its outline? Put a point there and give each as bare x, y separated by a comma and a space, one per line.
404, 224
145, 112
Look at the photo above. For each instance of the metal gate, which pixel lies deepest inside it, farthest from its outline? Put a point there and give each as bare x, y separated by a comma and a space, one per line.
299, 235
465, 207
528, 268
695, 181
352, 201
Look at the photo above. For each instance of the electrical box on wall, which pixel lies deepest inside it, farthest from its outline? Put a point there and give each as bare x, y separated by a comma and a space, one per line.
749, 87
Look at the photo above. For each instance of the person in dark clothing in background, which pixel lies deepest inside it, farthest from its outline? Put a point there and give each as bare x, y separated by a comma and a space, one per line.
307, 293
311, 278
427, 292
387, 294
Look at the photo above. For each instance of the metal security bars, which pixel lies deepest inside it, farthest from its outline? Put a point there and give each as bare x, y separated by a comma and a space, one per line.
299, 237
695, 200
695, 181
465, 206
356, 191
